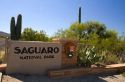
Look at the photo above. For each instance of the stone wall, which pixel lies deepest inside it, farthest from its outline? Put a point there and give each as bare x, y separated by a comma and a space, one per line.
29, 57
66, 44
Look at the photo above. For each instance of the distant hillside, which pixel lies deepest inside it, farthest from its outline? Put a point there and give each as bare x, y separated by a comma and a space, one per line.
4, 34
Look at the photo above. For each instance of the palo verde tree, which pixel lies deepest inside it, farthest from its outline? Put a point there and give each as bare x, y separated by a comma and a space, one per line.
83, 31
31, 35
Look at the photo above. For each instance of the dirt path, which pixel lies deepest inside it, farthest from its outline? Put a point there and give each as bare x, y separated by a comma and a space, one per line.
39, 78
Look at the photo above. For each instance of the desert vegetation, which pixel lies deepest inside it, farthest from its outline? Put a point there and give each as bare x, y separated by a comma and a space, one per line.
96, 43
2, 53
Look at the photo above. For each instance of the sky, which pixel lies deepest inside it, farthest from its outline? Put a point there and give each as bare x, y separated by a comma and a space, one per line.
51, 15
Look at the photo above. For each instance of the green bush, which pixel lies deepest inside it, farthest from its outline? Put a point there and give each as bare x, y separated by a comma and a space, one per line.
111, 59
87, 56
31, 35
123, 74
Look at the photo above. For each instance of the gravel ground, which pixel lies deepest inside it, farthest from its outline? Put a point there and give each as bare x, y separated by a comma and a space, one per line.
40, 78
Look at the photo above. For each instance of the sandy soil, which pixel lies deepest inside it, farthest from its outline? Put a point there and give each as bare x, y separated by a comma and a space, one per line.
40, 78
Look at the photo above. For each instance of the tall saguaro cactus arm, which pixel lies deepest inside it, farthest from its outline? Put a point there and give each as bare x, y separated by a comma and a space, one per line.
79, 17
12, 29
15, 30
19, 26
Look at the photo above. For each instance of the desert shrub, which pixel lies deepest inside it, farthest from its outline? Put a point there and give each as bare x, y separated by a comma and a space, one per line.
123, 74
31, 35
2, 54
111, 59
87, 56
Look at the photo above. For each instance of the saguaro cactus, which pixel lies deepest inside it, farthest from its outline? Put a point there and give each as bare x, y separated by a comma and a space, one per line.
19, 26
79, 16
15, 30
12, 29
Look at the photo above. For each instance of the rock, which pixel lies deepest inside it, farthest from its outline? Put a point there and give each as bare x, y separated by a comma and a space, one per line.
0, 77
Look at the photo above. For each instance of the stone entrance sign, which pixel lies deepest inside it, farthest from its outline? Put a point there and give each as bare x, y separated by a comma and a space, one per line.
33, 57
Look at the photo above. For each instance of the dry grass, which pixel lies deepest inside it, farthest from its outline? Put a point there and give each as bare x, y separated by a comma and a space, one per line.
2, 54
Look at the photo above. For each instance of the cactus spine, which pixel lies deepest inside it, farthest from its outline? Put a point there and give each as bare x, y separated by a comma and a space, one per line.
15, 30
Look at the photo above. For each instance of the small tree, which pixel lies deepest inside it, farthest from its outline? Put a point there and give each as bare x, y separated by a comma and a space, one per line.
32, 35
